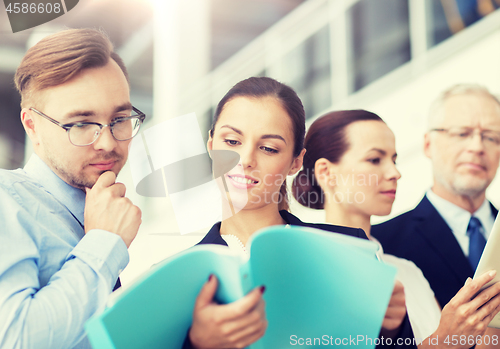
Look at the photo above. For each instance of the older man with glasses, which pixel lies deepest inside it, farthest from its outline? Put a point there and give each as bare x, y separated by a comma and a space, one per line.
447, 231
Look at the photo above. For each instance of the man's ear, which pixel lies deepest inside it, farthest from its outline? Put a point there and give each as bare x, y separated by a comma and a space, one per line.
30, 126
427, 145
297, 163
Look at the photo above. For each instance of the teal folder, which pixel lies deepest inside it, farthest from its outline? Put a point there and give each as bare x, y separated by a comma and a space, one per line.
320, 287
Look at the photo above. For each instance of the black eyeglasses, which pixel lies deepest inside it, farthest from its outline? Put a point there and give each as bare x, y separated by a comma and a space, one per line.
86, 133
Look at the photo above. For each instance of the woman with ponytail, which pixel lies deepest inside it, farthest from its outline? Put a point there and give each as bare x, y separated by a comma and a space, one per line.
263, 121
350, 172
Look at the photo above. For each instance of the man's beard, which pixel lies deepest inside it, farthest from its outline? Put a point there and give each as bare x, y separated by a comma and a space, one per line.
78, 179
463, 185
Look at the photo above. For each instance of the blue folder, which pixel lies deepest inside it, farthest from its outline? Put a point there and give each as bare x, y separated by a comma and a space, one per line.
320, 287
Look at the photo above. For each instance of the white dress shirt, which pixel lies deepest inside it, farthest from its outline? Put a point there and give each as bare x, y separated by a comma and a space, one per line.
458, 219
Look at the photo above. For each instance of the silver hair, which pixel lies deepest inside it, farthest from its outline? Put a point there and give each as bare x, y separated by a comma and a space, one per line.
459, 89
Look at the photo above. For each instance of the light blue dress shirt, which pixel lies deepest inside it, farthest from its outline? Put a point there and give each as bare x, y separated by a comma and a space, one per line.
458, 219
53, 276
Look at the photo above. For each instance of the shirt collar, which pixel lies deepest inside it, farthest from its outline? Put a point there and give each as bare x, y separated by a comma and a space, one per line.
457, 218
485, 216
71, 197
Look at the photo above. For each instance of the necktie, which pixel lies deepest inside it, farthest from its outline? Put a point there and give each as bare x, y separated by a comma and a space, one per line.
476, 242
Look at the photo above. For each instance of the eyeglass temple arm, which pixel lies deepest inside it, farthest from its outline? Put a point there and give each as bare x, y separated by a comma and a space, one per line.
141, 114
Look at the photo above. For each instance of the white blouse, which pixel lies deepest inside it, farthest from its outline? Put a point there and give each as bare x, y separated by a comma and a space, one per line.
236, 245
423, 309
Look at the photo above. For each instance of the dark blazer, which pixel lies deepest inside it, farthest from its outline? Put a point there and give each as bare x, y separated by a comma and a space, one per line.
213, 237
422, 236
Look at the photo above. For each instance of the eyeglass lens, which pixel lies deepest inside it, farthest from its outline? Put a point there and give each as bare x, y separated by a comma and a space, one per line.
122, 130
488, 137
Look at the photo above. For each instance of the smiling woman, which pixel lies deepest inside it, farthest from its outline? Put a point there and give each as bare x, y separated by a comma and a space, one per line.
264, 122
254, 129
273, 118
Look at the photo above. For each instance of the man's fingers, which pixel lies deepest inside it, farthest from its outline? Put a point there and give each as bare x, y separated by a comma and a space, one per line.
490, 308
243, 306
105, 180
492, 314
207, 293
471, 288
118, 189
485, 296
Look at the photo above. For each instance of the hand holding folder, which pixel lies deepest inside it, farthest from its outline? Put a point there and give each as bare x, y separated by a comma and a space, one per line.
233, 325
318, 285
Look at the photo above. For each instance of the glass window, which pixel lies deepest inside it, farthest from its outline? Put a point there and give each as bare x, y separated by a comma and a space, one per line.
379, 39
307, 70
448, 17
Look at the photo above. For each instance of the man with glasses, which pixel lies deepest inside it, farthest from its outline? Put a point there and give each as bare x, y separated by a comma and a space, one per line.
66, 224
446, 233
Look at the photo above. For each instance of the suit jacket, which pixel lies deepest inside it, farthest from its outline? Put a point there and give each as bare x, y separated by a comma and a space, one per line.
405, 333
213, 236
422, 236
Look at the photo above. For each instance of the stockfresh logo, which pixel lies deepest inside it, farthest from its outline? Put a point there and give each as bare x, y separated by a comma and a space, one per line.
28, 14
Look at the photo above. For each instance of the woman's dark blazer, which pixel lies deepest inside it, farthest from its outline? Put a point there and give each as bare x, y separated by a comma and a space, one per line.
213, 236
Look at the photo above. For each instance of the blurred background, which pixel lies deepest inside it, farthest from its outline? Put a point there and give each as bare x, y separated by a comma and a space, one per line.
392, 57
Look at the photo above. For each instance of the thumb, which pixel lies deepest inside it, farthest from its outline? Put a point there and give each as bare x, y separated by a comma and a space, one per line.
207, 292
